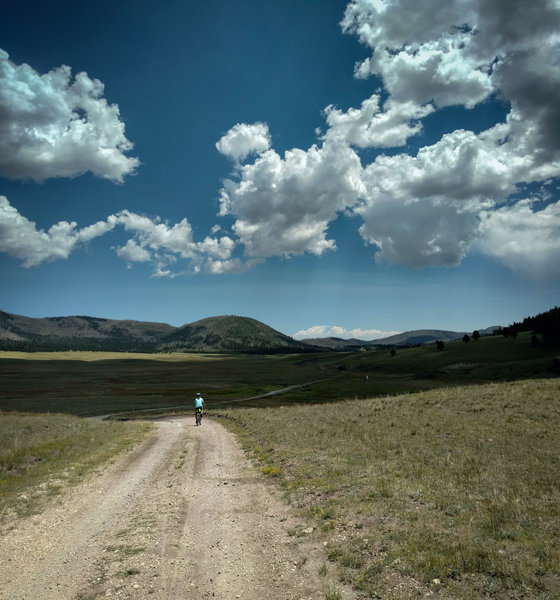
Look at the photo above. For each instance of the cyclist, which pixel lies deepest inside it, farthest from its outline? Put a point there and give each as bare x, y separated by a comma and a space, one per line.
198, 406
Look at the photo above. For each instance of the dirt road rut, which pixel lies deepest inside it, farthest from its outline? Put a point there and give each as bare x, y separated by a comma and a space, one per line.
186, 516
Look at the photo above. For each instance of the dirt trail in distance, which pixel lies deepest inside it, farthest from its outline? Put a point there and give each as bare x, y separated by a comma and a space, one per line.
185, 516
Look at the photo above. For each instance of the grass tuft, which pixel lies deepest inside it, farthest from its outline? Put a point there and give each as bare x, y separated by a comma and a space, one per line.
333, 593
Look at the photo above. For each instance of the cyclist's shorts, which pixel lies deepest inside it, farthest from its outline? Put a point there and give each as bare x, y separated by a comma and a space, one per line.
198, 410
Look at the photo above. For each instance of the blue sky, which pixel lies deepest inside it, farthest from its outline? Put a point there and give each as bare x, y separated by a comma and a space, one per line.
327, 167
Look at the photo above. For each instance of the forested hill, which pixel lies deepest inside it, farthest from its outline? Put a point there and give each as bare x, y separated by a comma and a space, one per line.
78, 333
231, 334
215, 334
546, 324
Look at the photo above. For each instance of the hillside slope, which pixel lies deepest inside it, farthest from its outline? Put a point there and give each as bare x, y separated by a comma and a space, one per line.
407, 338
230, 334
214, 334
78, 333
337, 344
422, 336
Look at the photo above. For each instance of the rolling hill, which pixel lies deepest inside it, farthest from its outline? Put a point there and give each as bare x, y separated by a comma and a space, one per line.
215, 334
230, 334
78, 333
337, 344
422, 336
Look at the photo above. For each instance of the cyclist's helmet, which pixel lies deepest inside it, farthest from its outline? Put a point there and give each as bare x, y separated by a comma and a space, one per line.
198, 395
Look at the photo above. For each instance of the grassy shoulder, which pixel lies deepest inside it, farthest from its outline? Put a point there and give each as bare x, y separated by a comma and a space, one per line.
453, 492
40, 455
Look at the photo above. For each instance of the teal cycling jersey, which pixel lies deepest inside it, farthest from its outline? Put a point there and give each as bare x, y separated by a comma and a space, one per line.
198, 403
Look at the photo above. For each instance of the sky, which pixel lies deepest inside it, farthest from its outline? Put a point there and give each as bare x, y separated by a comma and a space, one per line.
353, 169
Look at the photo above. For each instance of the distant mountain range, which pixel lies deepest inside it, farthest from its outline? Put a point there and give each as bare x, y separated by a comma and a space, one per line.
408, 338
334, 343
214, 334
423, 336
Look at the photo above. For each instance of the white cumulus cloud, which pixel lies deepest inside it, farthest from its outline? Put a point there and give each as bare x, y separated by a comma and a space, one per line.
283, 206
153, 241
424, 208
133, 252
321, 331
21, 239
243, 139
525, 236
165, 245
370, 126
430, 208
54, 125
218, 267
151, 234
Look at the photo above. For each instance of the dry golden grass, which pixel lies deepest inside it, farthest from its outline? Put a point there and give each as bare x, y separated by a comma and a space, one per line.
41, 454
454, 492
95, 356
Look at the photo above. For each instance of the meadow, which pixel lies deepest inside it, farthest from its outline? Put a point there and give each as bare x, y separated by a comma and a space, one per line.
453, 493
427, 472
97, 383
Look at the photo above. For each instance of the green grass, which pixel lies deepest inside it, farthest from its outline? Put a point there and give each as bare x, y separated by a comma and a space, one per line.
42, 454
332, 593
87, 387
89, 383
454, 491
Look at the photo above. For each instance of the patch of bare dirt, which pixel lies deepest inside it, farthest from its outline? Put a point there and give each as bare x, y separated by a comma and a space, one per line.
186, 516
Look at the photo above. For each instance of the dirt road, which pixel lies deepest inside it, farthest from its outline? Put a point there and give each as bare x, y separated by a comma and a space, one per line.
186, 516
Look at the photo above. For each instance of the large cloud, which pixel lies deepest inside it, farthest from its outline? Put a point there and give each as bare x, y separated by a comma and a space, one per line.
419, 53
425, 210
461, 53
430, 208
53, 125
447, 54
525, 236
283, 206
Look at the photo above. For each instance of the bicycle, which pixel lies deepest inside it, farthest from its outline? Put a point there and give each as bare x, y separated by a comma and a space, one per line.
198, 416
